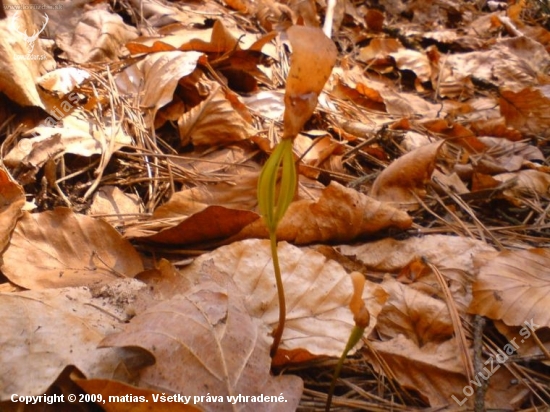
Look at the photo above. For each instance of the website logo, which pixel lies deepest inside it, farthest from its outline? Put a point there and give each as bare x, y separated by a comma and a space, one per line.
28, 39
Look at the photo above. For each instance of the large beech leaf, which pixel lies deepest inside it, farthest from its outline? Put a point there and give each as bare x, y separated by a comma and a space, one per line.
317, 290
205, 342
513, 286
45, 331
340, 214
61, 248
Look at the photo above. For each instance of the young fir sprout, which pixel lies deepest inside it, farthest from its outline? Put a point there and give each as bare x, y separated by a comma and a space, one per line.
273, 204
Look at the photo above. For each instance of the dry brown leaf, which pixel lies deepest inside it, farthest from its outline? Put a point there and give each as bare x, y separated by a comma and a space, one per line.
313, 57
155, 78
436, 372
61, 248
513, 286
212, 224
77, 136
445, 252
114, 206
415, 61
220, 349
45, 331
317, 290
406, 176
108, 388
527, 110
340, 214
526, 184
378, 50
98, 37
413, 314
214, 121
12, 200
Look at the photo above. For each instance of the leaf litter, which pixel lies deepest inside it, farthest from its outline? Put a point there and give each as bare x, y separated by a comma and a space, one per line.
423, 165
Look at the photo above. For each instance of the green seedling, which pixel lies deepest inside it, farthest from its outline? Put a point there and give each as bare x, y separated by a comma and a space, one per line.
361, 318
273, 203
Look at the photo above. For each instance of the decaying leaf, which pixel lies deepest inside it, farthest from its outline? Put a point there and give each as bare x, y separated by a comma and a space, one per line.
434, 369
513, 286
98, 37
61, 248
45, 331
220, 349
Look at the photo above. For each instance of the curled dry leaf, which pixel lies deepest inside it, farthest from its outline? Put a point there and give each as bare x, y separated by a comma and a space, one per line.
214, 121
513, 286
61, 248
205, 342
340, 214
46, 331
406, 176
313, 57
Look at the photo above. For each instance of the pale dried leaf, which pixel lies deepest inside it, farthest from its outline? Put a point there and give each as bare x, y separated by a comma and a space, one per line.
221, 350
154, 79
77, 136
317, 290
513, 286
435, 371
98, 37
445, 252
45, 331
413, 314
18, 75
526, 184
63, 80
415, 61
113, 205
61, 248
